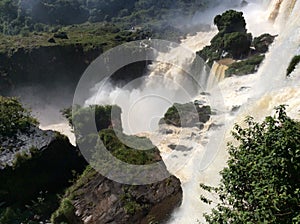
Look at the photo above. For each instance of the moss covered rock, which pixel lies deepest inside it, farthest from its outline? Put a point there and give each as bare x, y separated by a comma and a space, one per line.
190, 114
95, 199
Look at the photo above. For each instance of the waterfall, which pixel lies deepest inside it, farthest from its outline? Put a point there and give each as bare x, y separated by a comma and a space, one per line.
217, 72
256, 94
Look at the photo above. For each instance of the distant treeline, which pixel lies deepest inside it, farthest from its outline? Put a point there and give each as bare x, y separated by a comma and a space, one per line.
19, 16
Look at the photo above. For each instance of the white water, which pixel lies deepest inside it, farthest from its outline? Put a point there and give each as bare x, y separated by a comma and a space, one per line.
257, 94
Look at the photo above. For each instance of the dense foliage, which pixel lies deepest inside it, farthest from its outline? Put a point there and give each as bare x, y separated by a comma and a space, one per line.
232, 39
261, 183
244, 67
22, 16
14, 117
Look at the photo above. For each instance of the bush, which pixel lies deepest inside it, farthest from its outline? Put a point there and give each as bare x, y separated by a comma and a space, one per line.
14, 117
64, 213
245, 67
261, 183
237, 44
105, 117
230, 21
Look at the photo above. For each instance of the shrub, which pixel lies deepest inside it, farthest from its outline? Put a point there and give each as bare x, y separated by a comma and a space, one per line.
261, 183
245, 67
230, 21
14, 117
64, 213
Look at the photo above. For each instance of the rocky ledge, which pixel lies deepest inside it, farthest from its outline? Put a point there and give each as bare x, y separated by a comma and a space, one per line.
35, 161
95, 199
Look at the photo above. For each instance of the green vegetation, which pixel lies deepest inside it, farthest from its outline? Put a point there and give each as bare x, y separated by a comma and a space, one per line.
14, 117
89, 35
244, 67
38, 209
105, 117
131, 206
261, 183
64, 213
22, 17
232, 39
230, 22
127, 154
294, 62
186, 115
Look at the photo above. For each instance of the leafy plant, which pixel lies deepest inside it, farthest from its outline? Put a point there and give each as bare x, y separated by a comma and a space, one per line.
261, 183
14, 117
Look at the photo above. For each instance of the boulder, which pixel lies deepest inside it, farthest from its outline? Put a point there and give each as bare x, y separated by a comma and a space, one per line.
193, 114
36, 161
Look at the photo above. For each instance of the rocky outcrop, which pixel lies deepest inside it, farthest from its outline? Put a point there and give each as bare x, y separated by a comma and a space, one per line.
95, 199
233, 41
46, 66
193, 114
262, 43
100, 200
36, 161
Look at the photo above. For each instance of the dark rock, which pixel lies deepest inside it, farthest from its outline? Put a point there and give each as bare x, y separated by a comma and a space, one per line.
181, 148
100, 200
96, 199
214, 126
205, 93
235, 109
166, 131
61, 35
262, 43
199, 125
187, 115
243, 88
51, 40
36, 161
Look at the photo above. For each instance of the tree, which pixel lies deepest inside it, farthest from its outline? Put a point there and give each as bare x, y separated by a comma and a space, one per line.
14, 117
261, 183
231, 21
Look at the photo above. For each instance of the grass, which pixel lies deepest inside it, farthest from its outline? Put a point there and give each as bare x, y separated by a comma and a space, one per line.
90, 35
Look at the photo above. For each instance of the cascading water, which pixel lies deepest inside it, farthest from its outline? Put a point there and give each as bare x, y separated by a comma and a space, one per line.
249, 92
258, 94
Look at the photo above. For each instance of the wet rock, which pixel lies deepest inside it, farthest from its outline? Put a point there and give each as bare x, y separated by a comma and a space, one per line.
51, 40
99, 200
181, 148
192, 114
262, 43
166, 131
36, 161
235, 109
215, 126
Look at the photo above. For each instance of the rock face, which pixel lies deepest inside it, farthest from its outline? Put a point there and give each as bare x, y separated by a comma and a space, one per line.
262, 43
100, 200
50, 67
36, 161
95, 199
187, 115
56, 67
